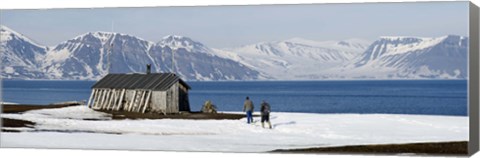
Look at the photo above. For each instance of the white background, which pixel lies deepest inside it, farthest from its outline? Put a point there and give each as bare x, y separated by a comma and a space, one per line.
63, 153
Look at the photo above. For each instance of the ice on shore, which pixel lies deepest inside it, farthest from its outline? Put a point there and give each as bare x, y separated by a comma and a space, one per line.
7, 103
81, 127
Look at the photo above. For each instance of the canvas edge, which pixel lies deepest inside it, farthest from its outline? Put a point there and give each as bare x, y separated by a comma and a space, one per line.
1, 86
473, 81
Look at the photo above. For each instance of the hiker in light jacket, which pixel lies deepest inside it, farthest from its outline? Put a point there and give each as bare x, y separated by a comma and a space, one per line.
248, 107
265, 111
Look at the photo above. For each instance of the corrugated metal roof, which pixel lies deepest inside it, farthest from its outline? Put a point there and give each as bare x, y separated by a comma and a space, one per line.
154, 81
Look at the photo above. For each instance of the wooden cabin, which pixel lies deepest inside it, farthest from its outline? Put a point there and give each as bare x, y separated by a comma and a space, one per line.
162, 93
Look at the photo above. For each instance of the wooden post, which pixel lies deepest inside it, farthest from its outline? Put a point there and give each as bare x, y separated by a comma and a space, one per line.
125, 107
169, 101
99, 98
137, 100
107, 100
95, 98
139, 106
104, 94
115, 100
112, 99
115, 107
132, 101
147, 101
176, 99
91, 97
120, 102
119, 93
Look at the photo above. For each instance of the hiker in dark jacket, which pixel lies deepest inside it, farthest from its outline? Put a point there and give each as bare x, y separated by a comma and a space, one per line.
248, 107
265, 111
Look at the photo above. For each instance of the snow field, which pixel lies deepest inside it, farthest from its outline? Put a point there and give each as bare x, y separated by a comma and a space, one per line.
66, 128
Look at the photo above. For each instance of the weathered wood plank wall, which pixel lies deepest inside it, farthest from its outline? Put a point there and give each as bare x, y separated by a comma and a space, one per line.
140, 100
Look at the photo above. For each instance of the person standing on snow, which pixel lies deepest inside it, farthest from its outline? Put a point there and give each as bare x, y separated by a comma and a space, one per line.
248, 107
265, 111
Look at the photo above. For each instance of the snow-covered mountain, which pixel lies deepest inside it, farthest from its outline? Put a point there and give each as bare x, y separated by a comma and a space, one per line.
93, 55
87, 56
296, 58
20, 56
386, 58
411, 58
193, 60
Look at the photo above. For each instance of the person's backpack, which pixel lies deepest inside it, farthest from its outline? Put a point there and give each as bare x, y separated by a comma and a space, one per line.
266, 108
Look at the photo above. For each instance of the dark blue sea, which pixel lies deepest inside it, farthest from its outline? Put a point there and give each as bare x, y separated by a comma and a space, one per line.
431, 97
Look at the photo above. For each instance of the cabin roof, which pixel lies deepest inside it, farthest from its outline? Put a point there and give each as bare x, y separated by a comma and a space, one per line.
153, 81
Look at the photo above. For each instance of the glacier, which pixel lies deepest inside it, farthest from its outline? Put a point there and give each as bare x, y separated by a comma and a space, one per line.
414, 58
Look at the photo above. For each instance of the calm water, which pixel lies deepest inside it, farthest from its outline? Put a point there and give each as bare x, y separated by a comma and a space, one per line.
398, 97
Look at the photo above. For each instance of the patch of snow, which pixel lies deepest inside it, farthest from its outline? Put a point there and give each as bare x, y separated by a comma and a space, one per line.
73, 112
9, 33
7, 103
58, 56
5, 35
457, 73
404, 48
8, 70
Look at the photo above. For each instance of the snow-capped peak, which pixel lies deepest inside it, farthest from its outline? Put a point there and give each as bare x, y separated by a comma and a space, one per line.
7, 34
5, 28
174, 37
415, 57
425, 41
177, 42
403, 44
399, 38
105, 37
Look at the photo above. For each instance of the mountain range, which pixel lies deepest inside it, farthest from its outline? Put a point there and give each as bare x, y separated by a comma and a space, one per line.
92, 55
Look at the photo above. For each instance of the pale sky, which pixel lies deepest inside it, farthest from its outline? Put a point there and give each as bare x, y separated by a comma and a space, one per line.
230, 26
